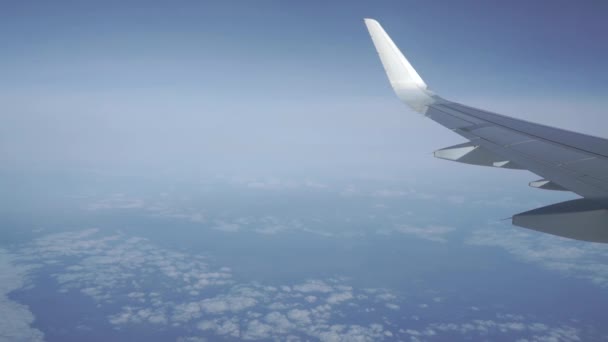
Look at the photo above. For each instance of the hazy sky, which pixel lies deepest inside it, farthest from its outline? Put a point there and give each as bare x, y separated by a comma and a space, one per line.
276, 87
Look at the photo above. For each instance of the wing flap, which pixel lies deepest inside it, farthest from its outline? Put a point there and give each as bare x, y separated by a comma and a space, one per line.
564, 219
470, 153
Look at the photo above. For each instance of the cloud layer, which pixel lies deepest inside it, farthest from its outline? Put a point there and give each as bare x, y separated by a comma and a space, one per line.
138, 284
174, 290
573, 258
16, 319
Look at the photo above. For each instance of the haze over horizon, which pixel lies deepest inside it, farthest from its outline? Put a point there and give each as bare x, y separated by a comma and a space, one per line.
238, 88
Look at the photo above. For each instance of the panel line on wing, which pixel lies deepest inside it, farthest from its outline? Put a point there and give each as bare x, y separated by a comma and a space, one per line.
521, 131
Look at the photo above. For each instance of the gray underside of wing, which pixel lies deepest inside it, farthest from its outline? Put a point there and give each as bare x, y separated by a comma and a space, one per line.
574, 161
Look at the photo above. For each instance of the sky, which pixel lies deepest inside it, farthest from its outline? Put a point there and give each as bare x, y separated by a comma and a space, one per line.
280, 88
204, 170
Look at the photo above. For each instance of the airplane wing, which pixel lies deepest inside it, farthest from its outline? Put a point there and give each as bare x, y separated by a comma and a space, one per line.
565, 160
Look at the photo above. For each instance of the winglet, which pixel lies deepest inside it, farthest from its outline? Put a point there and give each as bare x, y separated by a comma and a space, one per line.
406, 82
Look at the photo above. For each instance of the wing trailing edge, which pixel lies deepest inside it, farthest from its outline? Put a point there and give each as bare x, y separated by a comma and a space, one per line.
470, 153
580, 219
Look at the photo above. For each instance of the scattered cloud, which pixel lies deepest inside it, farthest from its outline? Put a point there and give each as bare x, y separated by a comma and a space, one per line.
226, 227
575, 258
169, 290
431, 233
279, 184
393, 306
222, 326
116, 201
191, 339
511, 327
170, 207
339, 297
266, 225
16, 319
385, 193
313, 286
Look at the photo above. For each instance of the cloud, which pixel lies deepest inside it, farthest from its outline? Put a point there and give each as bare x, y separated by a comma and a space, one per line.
570, 257
267, 224
168, 289
130, 314
407, 193
311, 299
339, 297
292, 314
299, 316
279, 184
257, 330
163, 208
227, 303
226, 227
117, 201
512, 327
342, 333
16, 319
158, 208
108, 267
191, 339
222, 326
431, 233
114, 268
385, 193
313, 286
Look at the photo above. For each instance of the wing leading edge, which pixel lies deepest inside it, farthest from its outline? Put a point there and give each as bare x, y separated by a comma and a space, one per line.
565, 160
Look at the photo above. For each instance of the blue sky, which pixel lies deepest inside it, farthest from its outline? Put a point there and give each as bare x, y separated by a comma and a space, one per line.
280, 87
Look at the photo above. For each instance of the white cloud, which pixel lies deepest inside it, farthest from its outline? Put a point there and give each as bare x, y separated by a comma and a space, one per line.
406, 193
392, 306
311, 299
257, 330
339, 297
226, 303
279, 321
226, 227
186, 312
222, 326
16, 319
301, 317
156, 208
101, 266
523, 330
277, 184
191, 339
313, 286
431, 233
117, 201
385, 193
115, 267
356, 333
575, 258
